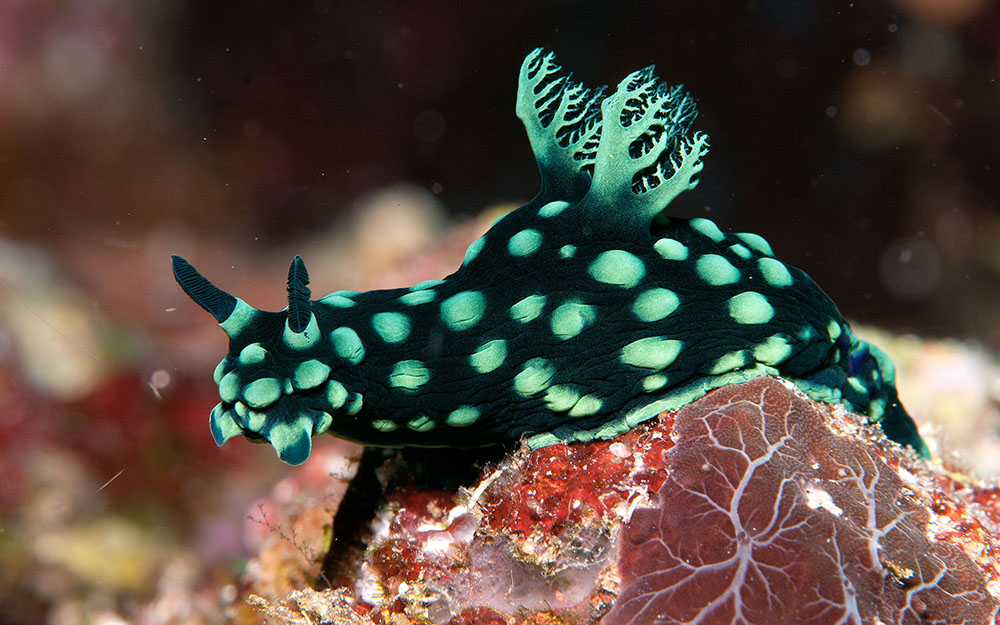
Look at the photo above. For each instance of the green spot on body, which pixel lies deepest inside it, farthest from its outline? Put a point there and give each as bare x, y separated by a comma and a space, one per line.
729, 362
409, 374
586, 406
654, 382
220, 370
310, 374
463, 310
489, 356
323, 423
262, 393
716, 270
833, 329
740, 250
617, 267
336, 394
567, 251
463, 416
393, 327
255, 420
553, 208
750, 308
229, 387
774, 271
561, 398
417, 297
384, 425
304, 339
756, 242
426, 284
708, 228
572, 318
527, 309
671, 249
355, 405
252, 354
423, 423
292, 441
773, 350
655, 304
535, 376
340, 299
239, 319
222, 425
348, 345
655, 352
474, 249
525, 242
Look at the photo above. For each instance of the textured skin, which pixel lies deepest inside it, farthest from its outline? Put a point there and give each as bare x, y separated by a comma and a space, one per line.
575, 317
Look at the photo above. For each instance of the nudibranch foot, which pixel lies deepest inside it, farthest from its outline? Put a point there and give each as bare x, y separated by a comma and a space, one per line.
577, 316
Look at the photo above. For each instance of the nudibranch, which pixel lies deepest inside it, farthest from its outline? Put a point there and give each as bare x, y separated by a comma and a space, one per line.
575, 317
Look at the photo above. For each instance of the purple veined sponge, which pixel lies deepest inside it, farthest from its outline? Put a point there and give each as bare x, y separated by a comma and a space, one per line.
575, 317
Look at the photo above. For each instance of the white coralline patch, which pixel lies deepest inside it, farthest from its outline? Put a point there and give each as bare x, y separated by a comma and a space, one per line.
817, 497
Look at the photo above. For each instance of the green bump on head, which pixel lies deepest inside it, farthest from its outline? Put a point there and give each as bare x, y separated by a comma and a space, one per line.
255, 420
708, 228
729, 362
463, 416
423, 423
567, 251
417, 297
716, 270
525, 242
241, 317
354, 404
474, 249
348, 345
654, 382
806, 334
535, 376
339, 299
304, 339
527, 309
252, 354
756, 242
323, 424
262, 393
586, 406
229, 387
740, 250
655, 352
750, 308
561, 397
384, 425
393, 327
773, 350
489, 356
655, 304
426, 284
617, 267
671, 249
292, 441
222, 425
409, 375
310, 374
572, 318
241, 409
774, 271
220, 370
833, 329
553, 208
336, 394
463, 310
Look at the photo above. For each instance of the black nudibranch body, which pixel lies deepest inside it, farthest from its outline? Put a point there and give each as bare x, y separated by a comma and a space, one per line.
577, 316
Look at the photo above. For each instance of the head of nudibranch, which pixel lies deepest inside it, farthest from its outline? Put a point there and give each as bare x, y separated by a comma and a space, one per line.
291, 389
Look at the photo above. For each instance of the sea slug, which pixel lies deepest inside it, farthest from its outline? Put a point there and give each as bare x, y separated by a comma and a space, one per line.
577, 316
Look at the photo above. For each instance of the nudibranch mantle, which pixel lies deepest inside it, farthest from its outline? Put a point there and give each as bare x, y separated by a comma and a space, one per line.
575, 317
